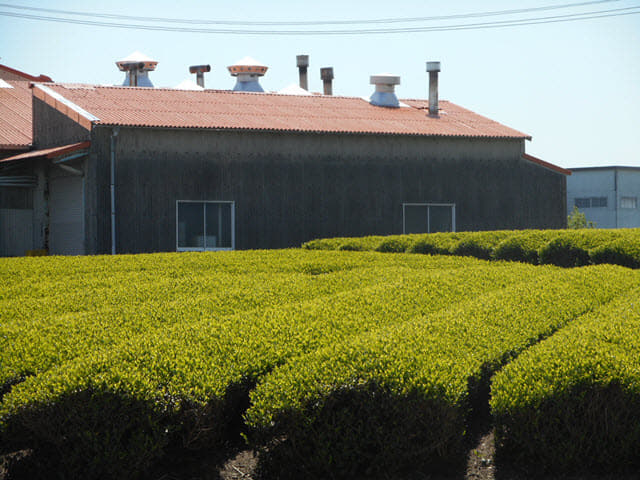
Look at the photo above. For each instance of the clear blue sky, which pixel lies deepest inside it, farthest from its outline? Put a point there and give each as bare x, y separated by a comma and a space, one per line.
573, 86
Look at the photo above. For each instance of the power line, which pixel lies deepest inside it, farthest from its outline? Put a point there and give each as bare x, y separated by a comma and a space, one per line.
305, 23
441, 28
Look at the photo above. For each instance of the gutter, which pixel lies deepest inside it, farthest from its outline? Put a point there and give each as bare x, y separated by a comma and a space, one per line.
615, 196
114, 135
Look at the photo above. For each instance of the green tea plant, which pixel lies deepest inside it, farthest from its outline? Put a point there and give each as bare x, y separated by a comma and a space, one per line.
184, 371
572, 403
402, 395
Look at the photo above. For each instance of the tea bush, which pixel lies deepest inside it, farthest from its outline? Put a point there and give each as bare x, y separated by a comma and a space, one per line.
572, 403
402, 395
566, 248
184, 370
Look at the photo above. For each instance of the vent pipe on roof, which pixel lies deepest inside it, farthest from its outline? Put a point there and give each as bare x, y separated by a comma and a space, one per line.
303, 62
384, 96
433, 68
247, 71
326, 74
200, 70
137, 67
134, 71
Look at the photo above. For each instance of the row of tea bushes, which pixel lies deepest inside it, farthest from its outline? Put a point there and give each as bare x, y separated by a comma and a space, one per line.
566, 248
572, 403
60, 307
400, 398
109, 400
114, 364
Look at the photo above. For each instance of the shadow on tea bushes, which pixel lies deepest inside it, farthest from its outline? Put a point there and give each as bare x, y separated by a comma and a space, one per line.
88, 434
365, 431
104, 435
592, 428
624, 251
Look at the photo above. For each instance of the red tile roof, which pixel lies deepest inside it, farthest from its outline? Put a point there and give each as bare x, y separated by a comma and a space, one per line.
8, 73
15, 116
153, 107
50, 152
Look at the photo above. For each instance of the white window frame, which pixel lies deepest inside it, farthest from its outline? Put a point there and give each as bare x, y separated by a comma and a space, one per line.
593, 202
453, 214
208, 249
633, 201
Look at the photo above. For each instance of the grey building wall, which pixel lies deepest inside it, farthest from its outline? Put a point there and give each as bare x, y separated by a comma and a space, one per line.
16, 221
612, 183
16, 211
290, 188
54, 129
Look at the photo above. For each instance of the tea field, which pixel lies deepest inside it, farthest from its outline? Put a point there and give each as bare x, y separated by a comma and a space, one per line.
329, 363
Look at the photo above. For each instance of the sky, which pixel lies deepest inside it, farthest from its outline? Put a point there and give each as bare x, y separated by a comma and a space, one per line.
573, 86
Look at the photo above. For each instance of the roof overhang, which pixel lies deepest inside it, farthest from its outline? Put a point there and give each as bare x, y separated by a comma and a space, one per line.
606, 167
548, 165
58, 154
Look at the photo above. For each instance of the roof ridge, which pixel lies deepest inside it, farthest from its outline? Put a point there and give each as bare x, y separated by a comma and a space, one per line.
206, 90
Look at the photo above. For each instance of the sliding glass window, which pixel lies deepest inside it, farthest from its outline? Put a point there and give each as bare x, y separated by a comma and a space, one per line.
206, 225
428, 217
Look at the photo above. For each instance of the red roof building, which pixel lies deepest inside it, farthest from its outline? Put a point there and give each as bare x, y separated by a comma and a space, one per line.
224, 109
15, 110
130, 169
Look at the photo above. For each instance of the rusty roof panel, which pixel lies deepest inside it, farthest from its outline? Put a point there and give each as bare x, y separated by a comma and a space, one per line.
15, 115
224, 109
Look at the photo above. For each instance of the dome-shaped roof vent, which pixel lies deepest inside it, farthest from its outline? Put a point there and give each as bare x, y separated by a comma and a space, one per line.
384, 96
247, 71
137, 67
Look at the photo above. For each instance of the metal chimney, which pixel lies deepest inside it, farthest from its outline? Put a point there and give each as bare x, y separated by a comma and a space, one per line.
247, 71
200, 70
326, 74
433, 68
137, 67
303, 62
384, 95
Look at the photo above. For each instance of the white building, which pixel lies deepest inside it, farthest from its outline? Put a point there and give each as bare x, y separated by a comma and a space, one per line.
608, 196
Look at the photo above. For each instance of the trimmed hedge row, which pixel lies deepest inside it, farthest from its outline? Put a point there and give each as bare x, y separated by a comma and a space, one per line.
565, 248
400, 398
112, 364
128, 395
78, 305
572, 403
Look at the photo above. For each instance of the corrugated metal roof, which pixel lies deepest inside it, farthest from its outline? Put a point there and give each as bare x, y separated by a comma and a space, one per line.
224, 109
15, 116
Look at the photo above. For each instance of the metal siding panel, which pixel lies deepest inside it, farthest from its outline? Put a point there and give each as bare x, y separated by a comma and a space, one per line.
66, 216
16, 231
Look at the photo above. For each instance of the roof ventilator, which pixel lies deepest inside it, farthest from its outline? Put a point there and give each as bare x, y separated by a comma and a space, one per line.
326, 74
433, 68
137, 66
247, 71
302, 62
200, 70
384, 96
